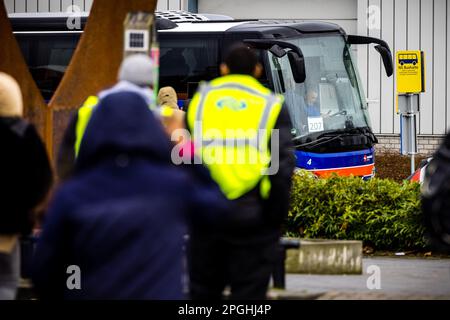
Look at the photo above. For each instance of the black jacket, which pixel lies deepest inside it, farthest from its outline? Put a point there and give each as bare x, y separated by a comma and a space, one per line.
253, 219
25, 174
259, 220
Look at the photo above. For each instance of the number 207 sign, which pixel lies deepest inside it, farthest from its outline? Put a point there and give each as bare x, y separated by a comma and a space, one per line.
315, 124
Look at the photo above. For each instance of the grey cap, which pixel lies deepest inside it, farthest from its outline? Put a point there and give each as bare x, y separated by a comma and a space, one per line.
137, 69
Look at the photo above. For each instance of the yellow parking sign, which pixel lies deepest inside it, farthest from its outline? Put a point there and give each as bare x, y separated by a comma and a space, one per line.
410, 72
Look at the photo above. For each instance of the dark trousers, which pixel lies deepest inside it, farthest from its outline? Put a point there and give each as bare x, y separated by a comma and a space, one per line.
216, 263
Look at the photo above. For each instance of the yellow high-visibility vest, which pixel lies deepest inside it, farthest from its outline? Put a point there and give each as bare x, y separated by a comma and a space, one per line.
231, 120
84, 115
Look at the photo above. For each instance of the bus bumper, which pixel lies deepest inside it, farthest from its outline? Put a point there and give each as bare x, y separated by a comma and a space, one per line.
356, 163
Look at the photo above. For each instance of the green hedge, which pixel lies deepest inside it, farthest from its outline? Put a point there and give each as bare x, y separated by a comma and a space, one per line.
381, 212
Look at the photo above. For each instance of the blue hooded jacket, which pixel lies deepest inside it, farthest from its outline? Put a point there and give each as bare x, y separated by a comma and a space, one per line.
122, 217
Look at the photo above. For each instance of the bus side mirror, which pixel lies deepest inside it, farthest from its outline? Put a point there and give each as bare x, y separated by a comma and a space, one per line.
382, 47
297, 63
276, 47
386, 56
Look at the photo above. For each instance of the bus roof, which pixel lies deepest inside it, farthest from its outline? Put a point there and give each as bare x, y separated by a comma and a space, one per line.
266, 28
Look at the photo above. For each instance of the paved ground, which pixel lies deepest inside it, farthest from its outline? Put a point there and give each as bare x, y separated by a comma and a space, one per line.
400, 278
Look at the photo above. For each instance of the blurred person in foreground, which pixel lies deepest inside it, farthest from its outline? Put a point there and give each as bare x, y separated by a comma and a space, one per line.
25, 179
435, 199
122, 217
233, 108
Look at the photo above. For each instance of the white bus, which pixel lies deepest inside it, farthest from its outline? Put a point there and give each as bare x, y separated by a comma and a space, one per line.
310, 61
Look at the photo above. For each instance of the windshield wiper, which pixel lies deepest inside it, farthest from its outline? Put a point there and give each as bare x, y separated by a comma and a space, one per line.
331, 135
364, 131
354, 130
322, 139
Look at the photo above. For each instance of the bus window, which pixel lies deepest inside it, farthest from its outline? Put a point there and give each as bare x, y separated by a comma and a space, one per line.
47, 56
185, 61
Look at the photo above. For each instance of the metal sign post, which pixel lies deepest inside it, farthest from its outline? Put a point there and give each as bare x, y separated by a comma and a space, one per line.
409, 108
410, 83
139, 30
140, 37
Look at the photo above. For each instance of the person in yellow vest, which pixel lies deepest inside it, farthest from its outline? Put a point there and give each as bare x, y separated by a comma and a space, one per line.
242, 133
135, 75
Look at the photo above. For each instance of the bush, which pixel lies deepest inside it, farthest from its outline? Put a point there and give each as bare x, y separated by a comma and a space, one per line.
394, 166
382, 213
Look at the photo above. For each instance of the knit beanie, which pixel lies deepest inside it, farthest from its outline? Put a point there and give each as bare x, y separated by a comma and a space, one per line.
168, 97
137, 69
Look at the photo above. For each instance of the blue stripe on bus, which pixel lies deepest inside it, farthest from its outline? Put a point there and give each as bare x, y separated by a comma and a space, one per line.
318, 161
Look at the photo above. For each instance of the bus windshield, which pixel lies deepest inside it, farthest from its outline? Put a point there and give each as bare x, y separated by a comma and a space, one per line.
331, 98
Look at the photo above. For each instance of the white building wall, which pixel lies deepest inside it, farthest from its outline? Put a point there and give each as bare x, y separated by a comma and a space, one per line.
24, 6
407, 25
342, 12
172, 5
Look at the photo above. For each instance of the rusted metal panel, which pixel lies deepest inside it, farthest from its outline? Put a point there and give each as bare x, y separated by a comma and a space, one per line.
13, 63
96, 60
93, 67
99, 53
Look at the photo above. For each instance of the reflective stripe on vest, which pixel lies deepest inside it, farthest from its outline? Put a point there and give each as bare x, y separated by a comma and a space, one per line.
231, 120
84, 115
